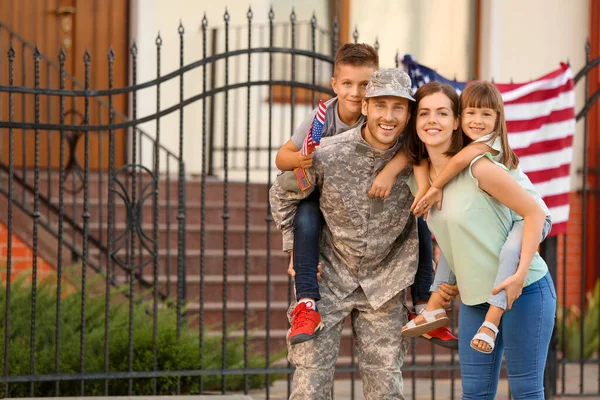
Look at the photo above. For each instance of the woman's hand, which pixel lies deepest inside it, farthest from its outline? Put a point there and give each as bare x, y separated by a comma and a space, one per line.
418, 197
513, 286
433, 196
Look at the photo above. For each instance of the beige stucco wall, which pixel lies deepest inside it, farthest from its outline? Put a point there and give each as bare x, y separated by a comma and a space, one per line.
404, 26
435, 32
152, 16
517, 41
523, 40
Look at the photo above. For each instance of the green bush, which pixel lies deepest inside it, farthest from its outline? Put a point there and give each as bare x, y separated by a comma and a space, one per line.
172, 354
591, 331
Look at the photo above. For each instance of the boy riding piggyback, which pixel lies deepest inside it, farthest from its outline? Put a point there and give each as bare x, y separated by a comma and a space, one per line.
354, 65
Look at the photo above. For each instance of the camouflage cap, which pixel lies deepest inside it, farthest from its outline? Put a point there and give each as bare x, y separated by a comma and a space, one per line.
390, 82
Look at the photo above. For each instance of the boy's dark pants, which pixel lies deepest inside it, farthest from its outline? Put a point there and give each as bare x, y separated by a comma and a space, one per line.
307, 231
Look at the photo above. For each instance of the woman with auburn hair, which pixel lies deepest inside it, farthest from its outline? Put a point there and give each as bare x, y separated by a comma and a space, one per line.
471, 228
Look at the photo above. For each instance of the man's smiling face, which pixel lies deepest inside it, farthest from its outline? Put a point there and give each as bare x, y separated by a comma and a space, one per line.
387, 117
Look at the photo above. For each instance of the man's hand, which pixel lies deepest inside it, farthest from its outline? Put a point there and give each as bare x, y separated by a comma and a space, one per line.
382, 185
305, 161
433, 196
291, 264
513, 286
292, 273
447, 292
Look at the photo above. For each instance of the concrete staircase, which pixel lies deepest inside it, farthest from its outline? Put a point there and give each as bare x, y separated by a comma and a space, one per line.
267, 301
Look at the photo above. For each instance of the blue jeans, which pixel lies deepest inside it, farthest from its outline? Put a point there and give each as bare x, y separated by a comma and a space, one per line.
307, 232
507, 264
524, 337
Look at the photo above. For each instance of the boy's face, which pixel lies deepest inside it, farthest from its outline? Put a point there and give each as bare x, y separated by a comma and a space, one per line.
349, 83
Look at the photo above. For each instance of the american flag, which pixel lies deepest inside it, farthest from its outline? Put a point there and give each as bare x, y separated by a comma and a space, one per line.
540, 117
316, 131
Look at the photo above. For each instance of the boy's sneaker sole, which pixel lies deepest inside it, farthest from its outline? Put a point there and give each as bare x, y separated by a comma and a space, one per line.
448, 344
303, 337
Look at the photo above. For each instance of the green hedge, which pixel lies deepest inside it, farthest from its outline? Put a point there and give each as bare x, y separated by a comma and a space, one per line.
172, 354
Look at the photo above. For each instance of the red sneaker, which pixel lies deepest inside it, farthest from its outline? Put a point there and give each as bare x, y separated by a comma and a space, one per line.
306, 324
441, 336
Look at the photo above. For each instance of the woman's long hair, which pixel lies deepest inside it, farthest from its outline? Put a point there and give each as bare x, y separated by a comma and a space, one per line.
482, 94
414, 147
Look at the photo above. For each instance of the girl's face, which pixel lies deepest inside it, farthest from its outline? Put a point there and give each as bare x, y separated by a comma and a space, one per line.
435, 121
478, 122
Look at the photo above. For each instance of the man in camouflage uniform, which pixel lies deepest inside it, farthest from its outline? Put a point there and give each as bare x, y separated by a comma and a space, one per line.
369, 247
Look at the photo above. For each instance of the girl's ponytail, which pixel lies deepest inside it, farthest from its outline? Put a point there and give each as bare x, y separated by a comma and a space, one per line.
508, 158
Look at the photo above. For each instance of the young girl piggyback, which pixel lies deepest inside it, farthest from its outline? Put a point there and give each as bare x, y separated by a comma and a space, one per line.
482, 121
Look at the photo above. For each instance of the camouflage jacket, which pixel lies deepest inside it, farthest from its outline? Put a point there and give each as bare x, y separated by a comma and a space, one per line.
371, 243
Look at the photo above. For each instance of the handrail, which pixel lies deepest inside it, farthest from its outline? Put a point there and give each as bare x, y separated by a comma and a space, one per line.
73, 224
590, 64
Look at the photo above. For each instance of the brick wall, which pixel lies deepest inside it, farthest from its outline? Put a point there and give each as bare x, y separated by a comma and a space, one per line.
22, 257
571, 288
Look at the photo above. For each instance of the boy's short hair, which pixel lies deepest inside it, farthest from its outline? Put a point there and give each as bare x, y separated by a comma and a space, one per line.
356, 55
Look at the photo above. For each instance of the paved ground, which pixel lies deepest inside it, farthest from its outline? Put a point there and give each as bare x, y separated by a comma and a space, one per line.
342, 388
423, 389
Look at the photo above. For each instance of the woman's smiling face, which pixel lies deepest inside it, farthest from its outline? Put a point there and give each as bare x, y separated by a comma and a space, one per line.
435, 121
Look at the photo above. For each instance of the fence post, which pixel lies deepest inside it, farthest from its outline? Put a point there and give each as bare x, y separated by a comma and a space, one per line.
549, 252
211, 118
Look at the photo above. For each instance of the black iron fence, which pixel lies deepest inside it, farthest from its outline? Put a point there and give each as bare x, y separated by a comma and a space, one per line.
166, 283
297, 78
574, 359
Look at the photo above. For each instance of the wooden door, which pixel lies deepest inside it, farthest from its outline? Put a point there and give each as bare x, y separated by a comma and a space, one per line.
74, 25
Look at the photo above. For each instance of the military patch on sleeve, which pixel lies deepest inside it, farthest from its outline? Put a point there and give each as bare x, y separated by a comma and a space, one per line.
302, 179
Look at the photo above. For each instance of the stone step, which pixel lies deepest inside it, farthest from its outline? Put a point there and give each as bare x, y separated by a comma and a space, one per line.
279, 287
213, 262
167, 212
214, 236
98, 186
257, 310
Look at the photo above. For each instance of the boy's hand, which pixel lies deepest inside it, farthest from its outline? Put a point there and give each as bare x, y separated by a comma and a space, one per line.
433, 196
382, 185
305, 161
291, 264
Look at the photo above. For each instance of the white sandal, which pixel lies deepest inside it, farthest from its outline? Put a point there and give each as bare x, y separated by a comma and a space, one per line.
433, 320
491, 341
